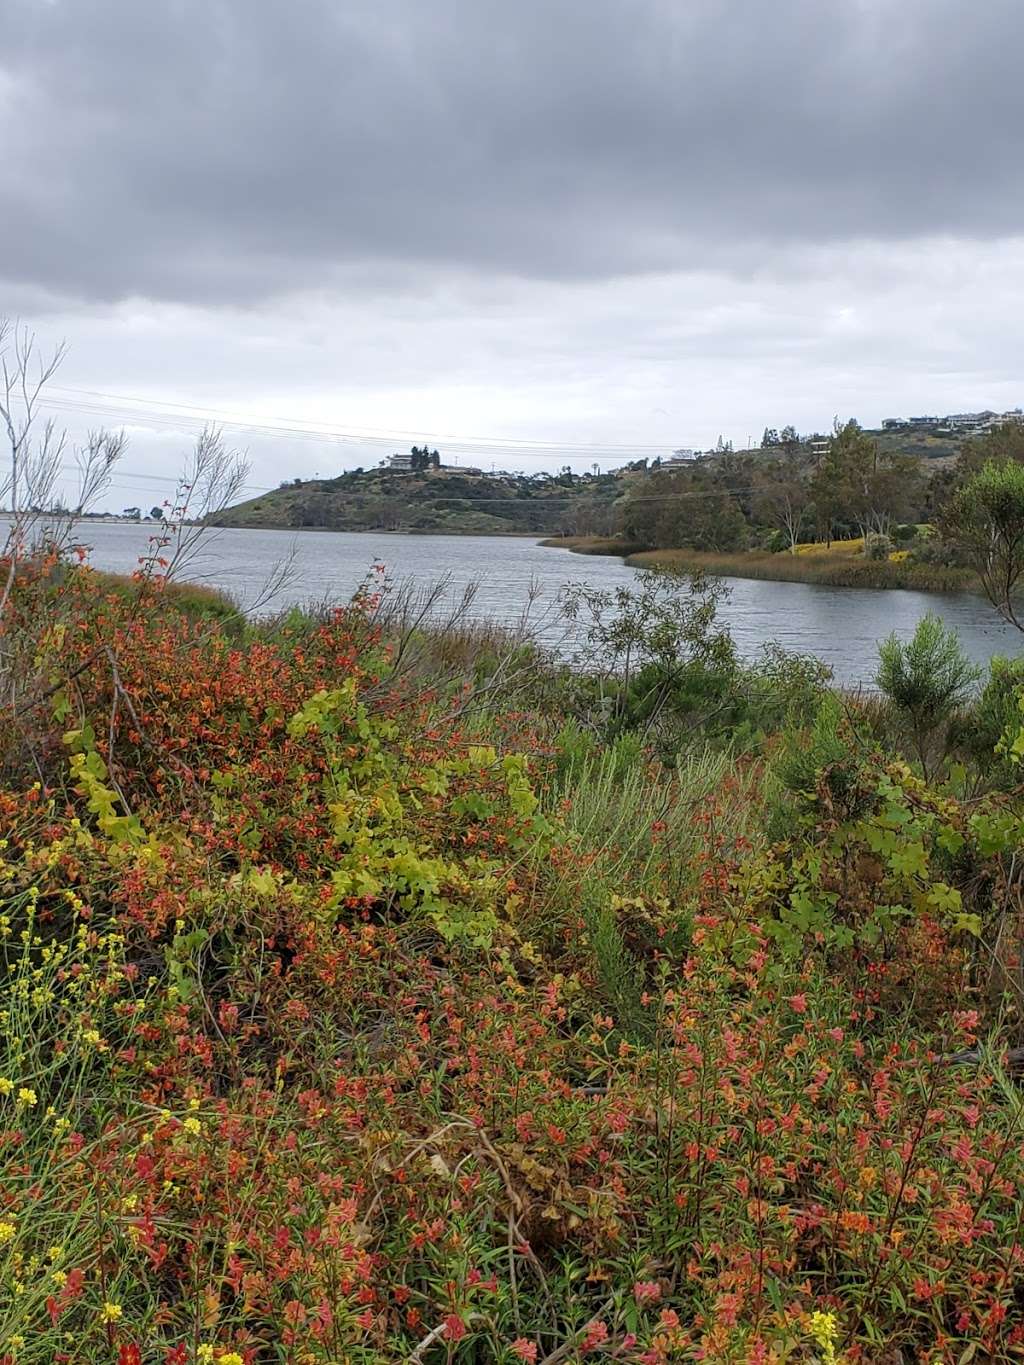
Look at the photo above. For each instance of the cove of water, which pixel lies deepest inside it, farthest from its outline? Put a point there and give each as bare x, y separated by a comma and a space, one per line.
841, 626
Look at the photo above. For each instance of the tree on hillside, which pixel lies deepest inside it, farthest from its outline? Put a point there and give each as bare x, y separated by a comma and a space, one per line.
827, 490
882, 487
788, 436
701, 519
1003, 442
770, 438
985, 519
425, 458
781, 500
857, 482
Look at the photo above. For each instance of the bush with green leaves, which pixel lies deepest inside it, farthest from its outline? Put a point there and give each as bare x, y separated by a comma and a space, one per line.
926, 678
784, 688
822, 761
904, 533
977, 734
877, 547
653, 649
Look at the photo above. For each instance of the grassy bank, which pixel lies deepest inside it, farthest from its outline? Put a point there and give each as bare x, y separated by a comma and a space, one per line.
194, 600
841, 565
592, 545
374, 996
840, 568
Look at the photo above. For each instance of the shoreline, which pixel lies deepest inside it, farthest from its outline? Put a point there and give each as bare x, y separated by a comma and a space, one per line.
376, 531
822, 570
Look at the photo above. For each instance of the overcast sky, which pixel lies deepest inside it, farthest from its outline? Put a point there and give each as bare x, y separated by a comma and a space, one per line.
613, 226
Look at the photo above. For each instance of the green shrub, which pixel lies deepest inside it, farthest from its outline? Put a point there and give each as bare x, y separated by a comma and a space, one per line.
785, 688
877, 547
976, 734
926, 679
823, 759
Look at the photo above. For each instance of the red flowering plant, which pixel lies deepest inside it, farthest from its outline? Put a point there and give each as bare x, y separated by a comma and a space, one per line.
341, 1020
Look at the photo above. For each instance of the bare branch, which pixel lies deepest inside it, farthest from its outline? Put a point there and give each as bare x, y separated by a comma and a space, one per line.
213, 479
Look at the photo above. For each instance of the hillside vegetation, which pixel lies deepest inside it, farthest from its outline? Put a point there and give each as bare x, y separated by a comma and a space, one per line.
435, 501
372, 995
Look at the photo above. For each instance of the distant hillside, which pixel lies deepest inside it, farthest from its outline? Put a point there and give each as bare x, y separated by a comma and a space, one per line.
925, 444
439, 501
463, 502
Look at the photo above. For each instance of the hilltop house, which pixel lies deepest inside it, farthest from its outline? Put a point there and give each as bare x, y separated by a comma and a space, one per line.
684, 456
971, 421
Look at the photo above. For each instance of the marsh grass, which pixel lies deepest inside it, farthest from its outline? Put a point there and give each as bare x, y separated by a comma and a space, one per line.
843, 567
839, 565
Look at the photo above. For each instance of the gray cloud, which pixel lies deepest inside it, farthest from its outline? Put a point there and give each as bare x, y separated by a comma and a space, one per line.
231, 150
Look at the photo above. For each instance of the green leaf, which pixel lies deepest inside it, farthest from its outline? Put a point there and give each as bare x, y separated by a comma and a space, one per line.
910, 861
968, 924
950, 840
945, 899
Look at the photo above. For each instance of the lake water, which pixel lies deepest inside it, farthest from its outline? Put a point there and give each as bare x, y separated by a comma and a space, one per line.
840, 625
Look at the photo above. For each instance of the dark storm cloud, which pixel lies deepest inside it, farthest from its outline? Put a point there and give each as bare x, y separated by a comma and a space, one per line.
205, 150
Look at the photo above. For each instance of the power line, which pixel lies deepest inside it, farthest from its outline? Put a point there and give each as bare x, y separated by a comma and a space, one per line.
184, 414
364, 499
120, 474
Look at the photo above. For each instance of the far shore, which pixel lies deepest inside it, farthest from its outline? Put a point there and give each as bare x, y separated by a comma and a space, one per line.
841, 565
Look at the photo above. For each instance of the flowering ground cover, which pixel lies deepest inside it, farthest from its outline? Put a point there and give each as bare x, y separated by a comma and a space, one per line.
360, 1011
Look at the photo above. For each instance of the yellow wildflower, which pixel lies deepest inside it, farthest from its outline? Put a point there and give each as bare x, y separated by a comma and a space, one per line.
111, 1312
824, 1328
6, 1086
7, 1231
27, 1097
232, 1358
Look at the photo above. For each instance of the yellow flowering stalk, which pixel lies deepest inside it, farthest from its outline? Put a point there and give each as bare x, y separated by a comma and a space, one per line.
824, 1329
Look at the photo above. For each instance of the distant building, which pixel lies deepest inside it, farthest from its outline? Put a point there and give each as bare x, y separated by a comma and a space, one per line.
403, 461
954, 423
970, 421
